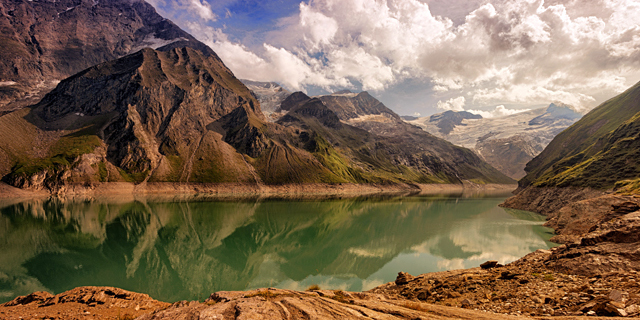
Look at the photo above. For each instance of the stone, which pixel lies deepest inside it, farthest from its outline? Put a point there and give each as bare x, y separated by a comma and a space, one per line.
617, 296
632, 309
489, 264
403, 278
465, 303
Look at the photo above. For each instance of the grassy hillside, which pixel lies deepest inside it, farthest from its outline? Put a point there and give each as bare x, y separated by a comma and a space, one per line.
597, 151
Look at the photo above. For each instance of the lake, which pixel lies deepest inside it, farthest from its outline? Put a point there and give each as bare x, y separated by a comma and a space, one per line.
185, 249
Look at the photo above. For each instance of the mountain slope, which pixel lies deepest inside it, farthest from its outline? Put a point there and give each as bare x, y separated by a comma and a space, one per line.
507, 142
372, 136
151, 116
181, 116
597, 151
46, 41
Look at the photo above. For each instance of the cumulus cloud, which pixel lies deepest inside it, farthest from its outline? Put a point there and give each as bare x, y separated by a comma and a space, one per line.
453, 104
503, 52
498, 111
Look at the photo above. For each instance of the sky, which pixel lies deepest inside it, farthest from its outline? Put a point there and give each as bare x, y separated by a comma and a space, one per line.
420, 57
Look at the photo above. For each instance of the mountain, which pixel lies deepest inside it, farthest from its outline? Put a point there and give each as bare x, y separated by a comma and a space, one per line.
269, 94
44, 42
448, 120
373, 136
178, 114
599, 151
508, 142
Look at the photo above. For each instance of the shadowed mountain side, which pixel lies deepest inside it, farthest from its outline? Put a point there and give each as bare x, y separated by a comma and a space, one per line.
46, 41
185, 250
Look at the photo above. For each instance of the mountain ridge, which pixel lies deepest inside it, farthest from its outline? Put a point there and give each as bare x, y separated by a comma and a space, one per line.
507, 142
45, 42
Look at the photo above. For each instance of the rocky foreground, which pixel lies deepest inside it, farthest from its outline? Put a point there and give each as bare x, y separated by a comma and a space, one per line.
593, 274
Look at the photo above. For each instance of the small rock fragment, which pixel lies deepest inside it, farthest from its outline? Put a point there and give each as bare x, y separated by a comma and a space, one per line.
489, 264
403, 278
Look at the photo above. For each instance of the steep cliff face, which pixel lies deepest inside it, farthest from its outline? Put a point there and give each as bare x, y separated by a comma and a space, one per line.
46, 41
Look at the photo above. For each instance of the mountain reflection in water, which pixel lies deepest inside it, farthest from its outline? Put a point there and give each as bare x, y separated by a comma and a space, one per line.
187, 249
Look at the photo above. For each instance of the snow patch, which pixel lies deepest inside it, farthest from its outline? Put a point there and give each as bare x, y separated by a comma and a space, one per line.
154, 43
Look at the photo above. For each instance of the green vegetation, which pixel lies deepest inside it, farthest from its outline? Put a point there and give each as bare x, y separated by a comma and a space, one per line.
313, 287
598, 151
131, 176
61, 155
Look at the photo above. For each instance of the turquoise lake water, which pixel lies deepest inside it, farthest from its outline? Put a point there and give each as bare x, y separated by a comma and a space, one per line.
187, 249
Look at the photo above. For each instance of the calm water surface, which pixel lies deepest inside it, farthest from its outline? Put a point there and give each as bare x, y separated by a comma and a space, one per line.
185, 250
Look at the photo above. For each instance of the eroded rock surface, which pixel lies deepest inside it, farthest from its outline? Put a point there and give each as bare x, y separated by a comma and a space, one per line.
81, 303
320, 304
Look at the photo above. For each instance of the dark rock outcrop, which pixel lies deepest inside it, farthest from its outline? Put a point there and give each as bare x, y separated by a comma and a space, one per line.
448, 120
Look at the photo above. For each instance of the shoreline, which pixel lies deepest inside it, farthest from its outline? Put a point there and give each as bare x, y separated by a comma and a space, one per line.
240, 191
593, 274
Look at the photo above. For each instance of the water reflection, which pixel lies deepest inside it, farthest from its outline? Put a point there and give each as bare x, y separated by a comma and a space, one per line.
186, 249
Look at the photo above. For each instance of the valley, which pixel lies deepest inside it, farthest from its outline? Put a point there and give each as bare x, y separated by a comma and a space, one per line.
247, 168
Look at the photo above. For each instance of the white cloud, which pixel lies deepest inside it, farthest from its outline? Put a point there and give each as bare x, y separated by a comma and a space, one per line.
498, 111
504, 52
454, 104
202, 9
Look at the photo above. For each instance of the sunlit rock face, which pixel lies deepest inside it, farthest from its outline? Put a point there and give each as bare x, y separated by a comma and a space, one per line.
507, 142
176, 249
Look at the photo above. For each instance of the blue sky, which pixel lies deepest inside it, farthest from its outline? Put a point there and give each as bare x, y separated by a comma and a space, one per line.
492, 57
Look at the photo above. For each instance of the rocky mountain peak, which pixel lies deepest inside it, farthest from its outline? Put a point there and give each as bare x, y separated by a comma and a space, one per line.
293, 100
554, 112
448, 120
47, 41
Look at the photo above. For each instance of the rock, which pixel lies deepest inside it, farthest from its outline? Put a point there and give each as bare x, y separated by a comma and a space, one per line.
465, 303
617, 296
536, 299
614, 310
625, 207
423, 295
489, 264
507, 275
632, 309
454, 294
38, 297
403, 278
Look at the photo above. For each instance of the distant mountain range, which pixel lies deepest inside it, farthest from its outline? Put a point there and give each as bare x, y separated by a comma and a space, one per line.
508, 142
176, 113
